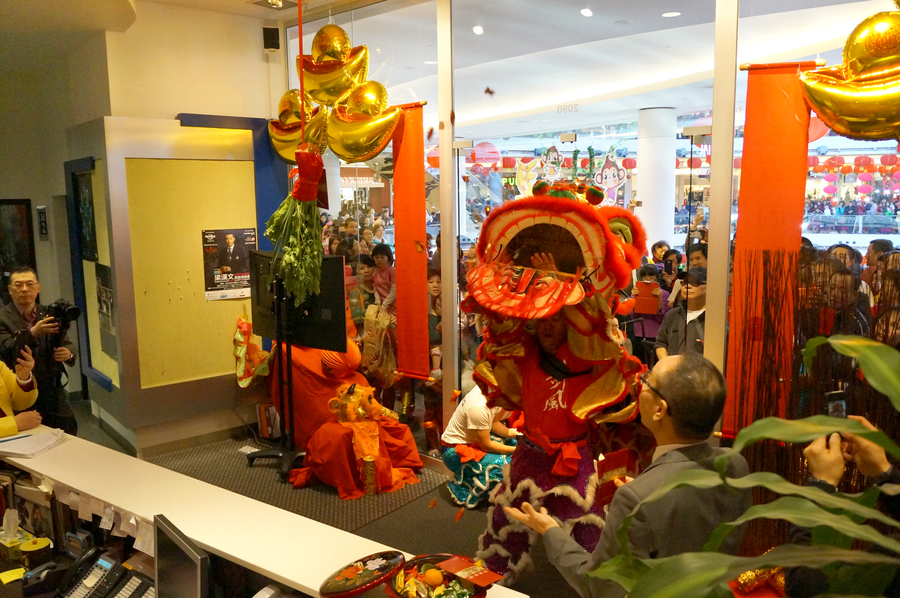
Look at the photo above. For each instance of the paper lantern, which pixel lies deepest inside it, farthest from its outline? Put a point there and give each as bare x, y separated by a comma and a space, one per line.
865, 177
584, 162
894, 170
434, 157
709, 159
829, 189
677, 163
819, 168
889, 159
737, 163
830, 177
846, 169
864, 189
629, 163
834, 162
858, 169
509, 162
812, 161
485, 152
882, 169
872, 168
567, 163
695, 163
862, 161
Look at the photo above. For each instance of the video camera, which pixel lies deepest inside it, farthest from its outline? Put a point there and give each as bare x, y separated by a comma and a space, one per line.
64, 313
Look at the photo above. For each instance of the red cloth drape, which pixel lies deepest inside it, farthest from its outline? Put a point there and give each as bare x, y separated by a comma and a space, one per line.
769, 218
409, 244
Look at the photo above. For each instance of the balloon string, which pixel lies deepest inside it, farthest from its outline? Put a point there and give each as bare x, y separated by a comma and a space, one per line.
300, 60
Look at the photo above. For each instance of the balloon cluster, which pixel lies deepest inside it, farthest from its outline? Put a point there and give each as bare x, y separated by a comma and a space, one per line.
860, 98
352, 116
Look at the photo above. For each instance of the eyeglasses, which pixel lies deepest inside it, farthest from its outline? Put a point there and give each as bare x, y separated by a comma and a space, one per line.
645, 380
21, 284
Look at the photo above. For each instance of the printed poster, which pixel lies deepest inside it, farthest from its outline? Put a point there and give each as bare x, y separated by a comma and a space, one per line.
226, 262
106, 308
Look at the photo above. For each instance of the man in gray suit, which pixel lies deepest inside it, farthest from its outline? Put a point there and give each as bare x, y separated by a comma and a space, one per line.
680, 403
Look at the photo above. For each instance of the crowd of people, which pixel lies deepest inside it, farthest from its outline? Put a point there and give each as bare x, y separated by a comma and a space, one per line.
852, 207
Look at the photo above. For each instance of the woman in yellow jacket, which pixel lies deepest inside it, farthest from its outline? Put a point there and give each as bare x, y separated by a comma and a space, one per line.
18, 391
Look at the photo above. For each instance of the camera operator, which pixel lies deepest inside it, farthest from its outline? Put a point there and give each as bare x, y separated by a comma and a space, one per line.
23, 322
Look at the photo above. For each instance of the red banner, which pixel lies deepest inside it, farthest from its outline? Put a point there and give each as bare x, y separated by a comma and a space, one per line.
409, 244
767, 241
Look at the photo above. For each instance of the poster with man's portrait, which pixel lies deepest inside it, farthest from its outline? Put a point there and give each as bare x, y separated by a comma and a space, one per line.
226, 262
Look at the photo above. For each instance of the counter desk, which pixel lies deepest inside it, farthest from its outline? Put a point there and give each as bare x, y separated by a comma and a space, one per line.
307, 551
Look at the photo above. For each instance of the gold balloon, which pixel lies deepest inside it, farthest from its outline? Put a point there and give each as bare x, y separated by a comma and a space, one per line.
287, 136
331, 43
356, 140
353, 117
368, 99
329, 82
860, 98
873, 49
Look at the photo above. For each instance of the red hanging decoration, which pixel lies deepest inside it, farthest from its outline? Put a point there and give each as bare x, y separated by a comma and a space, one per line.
695, 163
846, 169
677, 163
629, 163
737, 163
834, 162
509, 162
309, 170
889, 159
862, 161
812, 161
434, 157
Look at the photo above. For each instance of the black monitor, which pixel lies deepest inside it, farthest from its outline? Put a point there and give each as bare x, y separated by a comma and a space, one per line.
182, 569
320, 322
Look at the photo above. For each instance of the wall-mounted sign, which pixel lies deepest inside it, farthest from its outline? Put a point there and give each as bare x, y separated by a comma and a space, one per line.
226, 262
43, 229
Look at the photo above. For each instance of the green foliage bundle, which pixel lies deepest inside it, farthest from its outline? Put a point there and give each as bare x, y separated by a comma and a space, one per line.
294, 229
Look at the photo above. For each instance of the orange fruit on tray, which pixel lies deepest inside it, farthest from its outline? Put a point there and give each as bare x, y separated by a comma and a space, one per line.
433, 577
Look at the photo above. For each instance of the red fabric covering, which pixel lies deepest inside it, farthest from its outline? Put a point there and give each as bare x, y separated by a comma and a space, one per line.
312, 391
777, 124
409, 244
469, 452
330, 459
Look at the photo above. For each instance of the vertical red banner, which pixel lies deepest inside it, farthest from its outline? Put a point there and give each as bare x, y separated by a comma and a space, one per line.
767, 241
409, 244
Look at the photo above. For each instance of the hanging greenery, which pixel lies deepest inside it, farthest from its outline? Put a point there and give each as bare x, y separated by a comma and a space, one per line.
294, 229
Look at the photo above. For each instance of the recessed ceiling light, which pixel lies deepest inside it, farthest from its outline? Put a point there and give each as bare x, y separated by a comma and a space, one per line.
431, 62
669, 15
478, 29
587, 12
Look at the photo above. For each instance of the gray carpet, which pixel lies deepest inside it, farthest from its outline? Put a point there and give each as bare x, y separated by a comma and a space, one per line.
89, 426
222, 465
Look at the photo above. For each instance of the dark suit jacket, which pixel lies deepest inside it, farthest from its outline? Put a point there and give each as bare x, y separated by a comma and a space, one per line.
238, 261
46, 370
680, 522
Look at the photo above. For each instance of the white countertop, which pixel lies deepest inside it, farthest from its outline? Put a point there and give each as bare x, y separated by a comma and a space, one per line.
288, 548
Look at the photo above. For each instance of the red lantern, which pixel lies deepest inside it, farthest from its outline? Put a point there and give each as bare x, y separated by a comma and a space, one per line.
434, 157
629, 163
812, 161
862, 161
509, 162
819, 168
846, 169
737, 163
709, 159
695, 163
495, 167
677, 163
858, 169
882, 169
485, 152
584, 162
567, 163
834, 162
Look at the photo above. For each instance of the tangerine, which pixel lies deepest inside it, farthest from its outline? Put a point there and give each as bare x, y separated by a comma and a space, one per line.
433, 577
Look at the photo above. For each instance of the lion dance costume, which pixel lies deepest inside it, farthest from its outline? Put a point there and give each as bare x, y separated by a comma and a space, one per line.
585, 386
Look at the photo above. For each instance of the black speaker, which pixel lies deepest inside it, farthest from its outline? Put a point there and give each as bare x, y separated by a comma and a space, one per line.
270, 38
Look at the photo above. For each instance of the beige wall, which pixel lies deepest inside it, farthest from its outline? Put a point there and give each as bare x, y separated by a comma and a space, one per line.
176, 59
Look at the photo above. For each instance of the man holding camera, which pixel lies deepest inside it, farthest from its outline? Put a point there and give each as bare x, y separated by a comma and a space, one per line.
25, 322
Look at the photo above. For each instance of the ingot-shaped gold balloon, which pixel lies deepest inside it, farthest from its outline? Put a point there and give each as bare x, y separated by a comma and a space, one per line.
368, 99
860, 98
873, 49
287, 133
330, 43
356, 138
328, 83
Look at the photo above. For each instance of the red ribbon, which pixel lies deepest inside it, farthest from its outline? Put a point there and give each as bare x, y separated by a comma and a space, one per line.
309, 171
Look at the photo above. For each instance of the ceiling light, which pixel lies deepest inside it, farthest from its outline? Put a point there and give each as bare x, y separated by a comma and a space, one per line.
587, 12
623, 22
275, 3
478, 29
431, 62
669, 15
